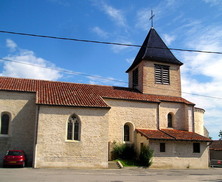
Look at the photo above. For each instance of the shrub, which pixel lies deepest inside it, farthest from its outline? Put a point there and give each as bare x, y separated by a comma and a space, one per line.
145, 157
123, 151
127, 153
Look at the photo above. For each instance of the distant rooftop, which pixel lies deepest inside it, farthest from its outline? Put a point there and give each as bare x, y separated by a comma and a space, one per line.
216, 145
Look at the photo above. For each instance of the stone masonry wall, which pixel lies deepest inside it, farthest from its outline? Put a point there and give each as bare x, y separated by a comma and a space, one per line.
199, 120
136, 114
54, 150
177, 110
139, 114
22, 110
178, 154
149, 85
140, 77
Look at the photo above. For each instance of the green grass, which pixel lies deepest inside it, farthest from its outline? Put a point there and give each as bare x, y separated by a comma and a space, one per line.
128, 163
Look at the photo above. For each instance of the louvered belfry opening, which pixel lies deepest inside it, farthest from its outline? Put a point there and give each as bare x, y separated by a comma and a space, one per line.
159, 69
162, 74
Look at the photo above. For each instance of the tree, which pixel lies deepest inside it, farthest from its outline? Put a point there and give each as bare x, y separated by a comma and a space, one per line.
220, 135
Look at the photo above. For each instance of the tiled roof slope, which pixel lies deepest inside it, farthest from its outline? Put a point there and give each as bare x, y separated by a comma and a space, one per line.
216, 145
74, 94
185, 135
172, 134
154, 134
154, 49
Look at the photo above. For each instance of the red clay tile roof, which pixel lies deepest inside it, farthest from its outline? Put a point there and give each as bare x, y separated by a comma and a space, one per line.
216, 145
185, 135
172, 134
154, 134
81, 95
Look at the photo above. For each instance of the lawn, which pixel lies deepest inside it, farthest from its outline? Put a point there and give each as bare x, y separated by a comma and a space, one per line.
128, 163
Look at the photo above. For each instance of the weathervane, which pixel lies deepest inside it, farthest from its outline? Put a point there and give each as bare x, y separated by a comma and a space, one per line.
151, 18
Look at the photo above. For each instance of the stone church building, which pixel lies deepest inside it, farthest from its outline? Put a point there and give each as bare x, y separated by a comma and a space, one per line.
60, 124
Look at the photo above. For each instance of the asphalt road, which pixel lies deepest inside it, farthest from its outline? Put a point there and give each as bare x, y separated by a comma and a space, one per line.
108, 175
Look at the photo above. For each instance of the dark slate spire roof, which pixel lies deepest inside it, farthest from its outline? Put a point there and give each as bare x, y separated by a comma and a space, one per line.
154, 49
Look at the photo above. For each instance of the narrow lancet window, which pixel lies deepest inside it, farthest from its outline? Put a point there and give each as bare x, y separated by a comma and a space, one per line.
69, 132
73, 128
126, 133
4, 124
76, 130
170, 120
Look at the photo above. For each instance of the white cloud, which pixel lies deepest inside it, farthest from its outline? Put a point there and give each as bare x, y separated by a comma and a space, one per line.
162, 9
11, 44
26, 64
130, 60
171, 3
143, 19
213, 2
98, 80
168, 39
191, 26
119, 48
201, 74
100, 32
115, 14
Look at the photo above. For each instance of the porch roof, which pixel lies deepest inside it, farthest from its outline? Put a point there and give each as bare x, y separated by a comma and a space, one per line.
172, 134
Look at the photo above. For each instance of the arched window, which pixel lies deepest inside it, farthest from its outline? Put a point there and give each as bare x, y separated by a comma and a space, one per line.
126, 133
4, 124
170, 120
73, 128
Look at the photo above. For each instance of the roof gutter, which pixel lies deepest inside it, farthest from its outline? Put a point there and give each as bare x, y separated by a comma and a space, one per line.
36, 136
158, 116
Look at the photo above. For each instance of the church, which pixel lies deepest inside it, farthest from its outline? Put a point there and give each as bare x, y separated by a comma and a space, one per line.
72, 125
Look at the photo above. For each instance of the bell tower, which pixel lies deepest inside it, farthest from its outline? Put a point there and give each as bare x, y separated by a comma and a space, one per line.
155, 69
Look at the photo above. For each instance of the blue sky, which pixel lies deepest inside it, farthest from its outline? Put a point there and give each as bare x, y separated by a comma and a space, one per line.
187, 24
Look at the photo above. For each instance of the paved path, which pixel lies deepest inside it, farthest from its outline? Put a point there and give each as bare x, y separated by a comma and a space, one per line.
108, 175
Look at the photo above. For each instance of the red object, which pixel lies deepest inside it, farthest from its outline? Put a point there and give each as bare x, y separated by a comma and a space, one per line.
14, 158
218, 162
75, 94
172, 134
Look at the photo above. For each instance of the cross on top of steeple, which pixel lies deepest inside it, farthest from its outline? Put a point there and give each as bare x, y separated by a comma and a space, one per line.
151, 18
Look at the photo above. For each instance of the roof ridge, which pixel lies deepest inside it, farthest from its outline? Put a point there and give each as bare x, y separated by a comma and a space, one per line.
52, 81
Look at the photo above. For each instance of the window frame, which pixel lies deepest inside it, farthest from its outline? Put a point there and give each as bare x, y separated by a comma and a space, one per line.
126, 133
196, 148
162, 74
3, 126
162, 147
170, 120
73, 130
